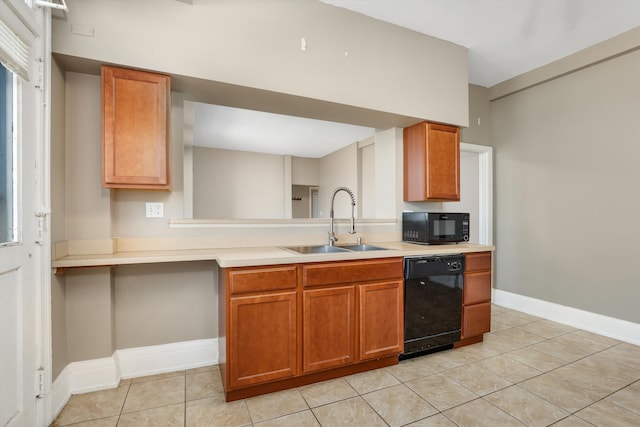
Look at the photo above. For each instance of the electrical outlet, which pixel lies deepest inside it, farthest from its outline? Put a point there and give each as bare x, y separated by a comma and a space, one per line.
155, 210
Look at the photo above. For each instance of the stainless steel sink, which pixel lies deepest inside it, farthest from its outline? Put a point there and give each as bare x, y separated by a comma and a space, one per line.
325, 249
318, 249
363, 248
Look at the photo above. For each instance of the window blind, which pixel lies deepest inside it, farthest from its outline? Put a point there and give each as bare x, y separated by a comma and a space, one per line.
14, 53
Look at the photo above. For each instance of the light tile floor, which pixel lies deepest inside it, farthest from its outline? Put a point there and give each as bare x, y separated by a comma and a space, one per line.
528, 371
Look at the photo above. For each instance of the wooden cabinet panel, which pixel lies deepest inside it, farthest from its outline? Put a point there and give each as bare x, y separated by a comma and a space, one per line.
431, 162
135, 129
476, 319
351, 271
381, 319
477, 287
328, 328
253, 279
478, 261
476, 304
278, 331
262, 338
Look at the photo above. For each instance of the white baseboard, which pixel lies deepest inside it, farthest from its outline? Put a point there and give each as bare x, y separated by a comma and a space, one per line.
622, 330
83, 377
158, 359
105, 373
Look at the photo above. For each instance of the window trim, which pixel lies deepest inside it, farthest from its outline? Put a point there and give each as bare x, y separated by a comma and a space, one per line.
15, 224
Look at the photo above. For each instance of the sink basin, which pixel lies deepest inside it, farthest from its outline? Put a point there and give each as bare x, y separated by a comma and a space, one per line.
363, 247
326, 249
319, 249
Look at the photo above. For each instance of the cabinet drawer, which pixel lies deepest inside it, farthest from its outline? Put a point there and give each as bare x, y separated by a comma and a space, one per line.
352, 271
477, 287
478, 261
476, 319
262, 279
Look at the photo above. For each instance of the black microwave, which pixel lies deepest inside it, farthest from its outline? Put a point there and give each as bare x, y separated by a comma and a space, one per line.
435, 227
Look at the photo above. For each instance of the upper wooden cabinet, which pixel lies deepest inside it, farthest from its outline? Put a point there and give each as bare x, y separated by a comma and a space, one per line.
135, 129
431, 162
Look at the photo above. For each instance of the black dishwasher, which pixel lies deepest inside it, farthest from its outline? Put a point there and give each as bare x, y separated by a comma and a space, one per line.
432, 303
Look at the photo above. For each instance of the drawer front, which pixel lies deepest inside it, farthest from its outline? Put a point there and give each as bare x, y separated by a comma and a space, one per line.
351, 271
478, 261
476, 320
262, 279
477, 287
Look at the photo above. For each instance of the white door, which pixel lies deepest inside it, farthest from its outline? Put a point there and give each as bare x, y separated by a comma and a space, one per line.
22, 247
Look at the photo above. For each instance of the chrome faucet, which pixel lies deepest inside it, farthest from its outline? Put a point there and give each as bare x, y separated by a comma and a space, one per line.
332, 236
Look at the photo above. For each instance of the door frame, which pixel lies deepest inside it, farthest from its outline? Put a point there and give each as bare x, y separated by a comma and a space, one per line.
485, 190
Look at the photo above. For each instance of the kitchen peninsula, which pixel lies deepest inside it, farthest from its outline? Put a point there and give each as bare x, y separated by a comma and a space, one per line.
287, 319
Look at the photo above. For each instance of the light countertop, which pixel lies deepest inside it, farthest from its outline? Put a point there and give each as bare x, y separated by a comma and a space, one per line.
254, 256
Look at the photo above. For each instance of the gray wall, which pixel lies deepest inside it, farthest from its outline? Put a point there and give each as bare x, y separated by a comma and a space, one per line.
566, 177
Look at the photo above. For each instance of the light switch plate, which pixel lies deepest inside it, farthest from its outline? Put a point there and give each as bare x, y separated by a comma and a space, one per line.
155, 210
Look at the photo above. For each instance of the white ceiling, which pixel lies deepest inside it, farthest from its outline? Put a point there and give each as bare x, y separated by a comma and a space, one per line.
505, 38
246, 130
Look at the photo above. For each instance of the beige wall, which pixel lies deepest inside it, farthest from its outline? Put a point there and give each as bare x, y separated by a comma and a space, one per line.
256, 44
165, 303
479, 130
566, 177
338, 169
216, 48
87, 204
237, 184
58, 217
305, 171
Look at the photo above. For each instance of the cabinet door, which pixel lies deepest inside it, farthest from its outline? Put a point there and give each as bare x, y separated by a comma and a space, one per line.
262, 337
328, 328
135, 129
381, 319
431, 162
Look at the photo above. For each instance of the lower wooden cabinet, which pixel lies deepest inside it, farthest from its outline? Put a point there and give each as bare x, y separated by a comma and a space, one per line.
381, 319
263, 338
476, 298
288, 325
328, 327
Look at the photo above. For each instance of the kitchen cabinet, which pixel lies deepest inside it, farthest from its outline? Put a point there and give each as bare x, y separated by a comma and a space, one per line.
135, 129
381, 319
329, 327
476, 298
331, 313
262, 329
289, 325
377, 313
431, 162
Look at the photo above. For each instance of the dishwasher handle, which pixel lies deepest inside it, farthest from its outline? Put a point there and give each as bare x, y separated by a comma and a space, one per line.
438, 265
